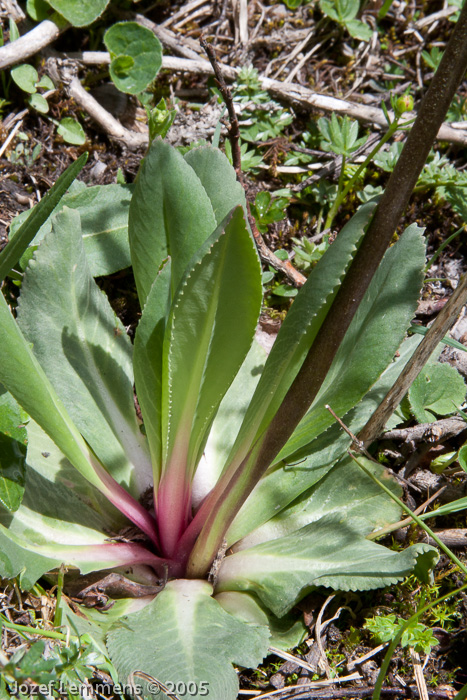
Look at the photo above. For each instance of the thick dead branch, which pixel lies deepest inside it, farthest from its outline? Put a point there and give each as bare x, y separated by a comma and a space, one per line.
11, 9
291, 93
187, 48
29, 44
443, 429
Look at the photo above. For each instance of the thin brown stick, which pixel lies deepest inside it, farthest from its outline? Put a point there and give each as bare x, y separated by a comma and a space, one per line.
234, 129
284, 266
356, 692
440, 327
406, 521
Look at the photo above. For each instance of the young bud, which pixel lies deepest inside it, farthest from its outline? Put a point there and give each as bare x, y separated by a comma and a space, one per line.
404, 104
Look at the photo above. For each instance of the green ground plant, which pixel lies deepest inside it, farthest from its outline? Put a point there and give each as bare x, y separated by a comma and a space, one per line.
232, 476
201, 439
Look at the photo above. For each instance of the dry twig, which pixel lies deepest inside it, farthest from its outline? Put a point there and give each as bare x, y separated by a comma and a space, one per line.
284, 266
438, 330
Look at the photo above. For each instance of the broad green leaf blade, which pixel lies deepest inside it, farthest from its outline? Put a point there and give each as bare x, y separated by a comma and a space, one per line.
62, 519
136, 56
71, 131
298, 332
148, 347
226, 424
50, 472
343, 490
40, 213
104, 223
210, 331
328, 552
22, 375
189, 642
358, 29
84, 350
218, 179
373, 338
23, 557
13, 440
309, 465
60, 507
25, 76
286, 632
438, 390
170, 214
81, 13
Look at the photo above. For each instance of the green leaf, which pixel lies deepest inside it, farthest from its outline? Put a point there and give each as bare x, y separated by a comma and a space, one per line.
71, 131
10, 255
298, 332
22, 375
84, 350
170, 214
62, 519
103, 210
346, 490
285, 290
462, 457
38, 10
347, 9
328, 552
438, 390
26, 77
38, 103
13, 440
60, 509
329, 8
189, 645
286, 632
421, 330
211, 328
358, 29
81, 13
227, 422
311, 464
218, 179
373, 337
136, 56
46, 83
121, 65
149, 341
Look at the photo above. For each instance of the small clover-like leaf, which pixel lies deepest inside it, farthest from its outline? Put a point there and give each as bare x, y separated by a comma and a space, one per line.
438, 389
136, 56
71, 131
38, 103
26, 77
81, 13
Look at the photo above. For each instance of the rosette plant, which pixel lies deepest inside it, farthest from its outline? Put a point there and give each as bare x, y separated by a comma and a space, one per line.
174, 486
188, 456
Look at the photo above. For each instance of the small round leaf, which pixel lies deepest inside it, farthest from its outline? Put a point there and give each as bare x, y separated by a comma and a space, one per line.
129, 41
46, 83
71, 131
38, 10
26, 77
122, 66
81, 13
38, 103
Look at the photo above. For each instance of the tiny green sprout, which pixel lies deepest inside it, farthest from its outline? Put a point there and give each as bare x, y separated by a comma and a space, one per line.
404, 104
385, 627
